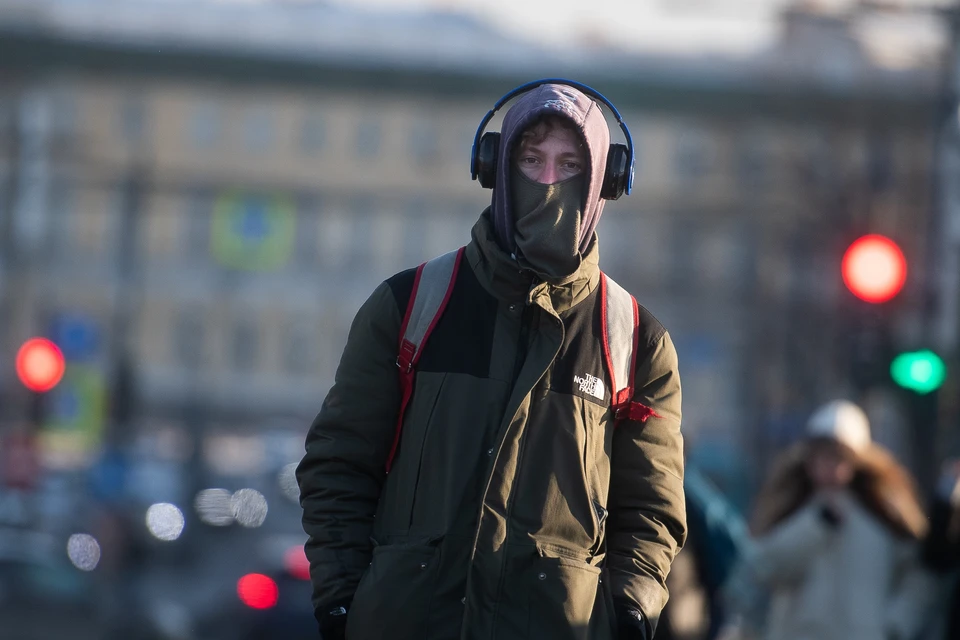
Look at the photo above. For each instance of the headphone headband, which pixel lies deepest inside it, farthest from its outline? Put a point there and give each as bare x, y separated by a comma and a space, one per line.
593, 93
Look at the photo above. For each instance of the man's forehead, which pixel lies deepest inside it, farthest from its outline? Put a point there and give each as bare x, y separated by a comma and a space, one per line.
561, 134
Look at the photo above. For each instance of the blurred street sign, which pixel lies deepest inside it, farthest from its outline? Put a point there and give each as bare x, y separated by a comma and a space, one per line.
78, 336
253, 232
108, 477
75, 426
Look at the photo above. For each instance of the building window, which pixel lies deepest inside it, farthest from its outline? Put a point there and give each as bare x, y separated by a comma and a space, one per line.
313, 134
65, 111
299, 347
65, 223
132, 119
880, 163
196, 228
245, 343
691, 156
368, 138
819, 168
755, 161
258, 129
308, 228
189, 337
424, 146
205, 126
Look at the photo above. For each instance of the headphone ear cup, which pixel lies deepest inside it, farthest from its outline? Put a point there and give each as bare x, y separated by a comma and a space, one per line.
486, 161
615, 176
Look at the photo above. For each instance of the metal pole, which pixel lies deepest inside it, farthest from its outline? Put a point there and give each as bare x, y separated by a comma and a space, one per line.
945, 277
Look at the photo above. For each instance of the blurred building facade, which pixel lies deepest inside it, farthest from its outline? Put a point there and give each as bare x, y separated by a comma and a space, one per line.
216, 215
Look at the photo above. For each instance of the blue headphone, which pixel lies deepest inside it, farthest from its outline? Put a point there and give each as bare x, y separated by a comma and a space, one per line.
617, 177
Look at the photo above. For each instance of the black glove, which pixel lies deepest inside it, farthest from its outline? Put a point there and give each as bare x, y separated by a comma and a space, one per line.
631, 623
332, 618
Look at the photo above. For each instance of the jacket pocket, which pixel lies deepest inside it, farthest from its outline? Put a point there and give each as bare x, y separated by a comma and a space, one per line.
393, 598
562, 600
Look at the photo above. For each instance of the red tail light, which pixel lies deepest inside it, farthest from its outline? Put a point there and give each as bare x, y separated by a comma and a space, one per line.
257, 591
295, 560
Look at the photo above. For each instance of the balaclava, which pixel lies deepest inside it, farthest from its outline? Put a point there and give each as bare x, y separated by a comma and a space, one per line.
586, 118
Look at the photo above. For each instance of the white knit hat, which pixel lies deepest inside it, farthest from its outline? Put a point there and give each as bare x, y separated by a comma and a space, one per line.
842, 421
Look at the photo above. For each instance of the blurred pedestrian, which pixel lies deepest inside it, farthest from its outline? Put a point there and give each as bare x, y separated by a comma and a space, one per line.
836, 537
535, 475
716, 537
941, 549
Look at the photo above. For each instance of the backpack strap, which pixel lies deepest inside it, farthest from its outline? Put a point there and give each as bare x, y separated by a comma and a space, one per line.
620, 322
431, 292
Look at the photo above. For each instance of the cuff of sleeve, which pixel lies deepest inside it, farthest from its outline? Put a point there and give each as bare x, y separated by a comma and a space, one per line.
640, 592
631, 623
332, 616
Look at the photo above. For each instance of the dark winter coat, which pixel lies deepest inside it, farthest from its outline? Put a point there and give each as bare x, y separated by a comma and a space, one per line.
513, 490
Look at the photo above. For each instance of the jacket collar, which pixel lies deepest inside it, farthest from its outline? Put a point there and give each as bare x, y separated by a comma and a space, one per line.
499, 273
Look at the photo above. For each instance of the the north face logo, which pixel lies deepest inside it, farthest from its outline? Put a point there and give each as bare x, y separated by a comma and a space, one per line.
590, 385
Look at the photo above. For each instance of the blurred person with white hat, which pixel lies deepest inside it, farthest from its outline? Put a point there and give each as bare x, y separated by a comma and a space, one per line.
836, 535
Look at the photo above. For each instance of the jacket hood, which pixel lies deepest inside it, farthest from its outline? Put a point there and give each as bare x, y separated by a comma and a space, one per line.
586, 117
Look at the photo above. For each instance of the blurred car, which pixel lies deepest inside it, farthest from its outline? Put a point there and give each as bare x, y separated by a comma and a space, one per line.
42, 595
270, 598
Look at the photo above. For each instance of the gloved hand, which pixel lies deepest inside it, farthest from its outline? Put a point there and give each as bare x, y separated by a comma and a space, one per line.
631, 623
332, 618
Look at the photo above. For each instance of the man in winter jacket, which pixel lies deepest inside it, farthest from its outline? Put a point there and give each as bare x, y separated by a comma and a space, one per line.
516, 506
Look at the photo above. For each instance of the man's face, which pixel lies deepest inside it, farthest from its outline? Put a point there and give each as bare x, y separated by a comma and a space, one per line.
550, 154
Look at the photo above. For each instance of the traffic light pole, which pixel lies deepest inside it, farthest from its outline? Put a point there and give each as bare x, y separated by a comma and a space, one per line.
945, 328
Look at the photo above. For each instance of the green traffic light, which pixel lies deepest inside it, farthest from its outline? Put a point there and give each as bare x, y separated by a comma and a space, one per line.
920, 371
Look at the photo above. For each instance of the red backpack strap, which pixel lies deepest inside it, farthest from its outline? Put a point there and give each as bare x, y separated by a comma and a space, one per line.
620, 321
431, 292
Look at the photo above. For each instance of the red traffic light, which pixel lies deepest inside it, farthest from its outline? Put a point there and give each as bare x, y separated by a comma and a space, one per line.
40, 364
874, 268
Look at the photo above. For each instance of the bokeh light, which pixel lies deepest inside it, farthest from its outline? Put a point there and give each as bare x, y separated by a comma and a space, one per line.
257, 591
165, 521
288, 482
83, 551
296, 563
214, 507
874, 268
249, 507
40, 364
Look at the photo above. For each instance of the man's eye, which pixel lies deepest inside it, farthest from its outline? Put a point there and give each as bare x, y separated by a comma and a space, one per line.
529, 160
572, 166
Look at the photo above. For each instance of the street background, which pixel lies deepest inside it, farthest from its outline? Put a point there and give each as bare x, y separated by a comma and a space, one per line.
196, 196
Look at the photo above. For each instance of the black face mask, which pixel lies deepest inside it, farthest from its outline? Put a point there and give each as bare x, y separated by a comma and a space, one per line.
547, 228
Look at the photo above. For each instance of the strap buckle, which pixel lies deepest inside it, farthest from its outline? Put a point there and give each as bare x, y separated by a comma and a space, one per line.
405, 359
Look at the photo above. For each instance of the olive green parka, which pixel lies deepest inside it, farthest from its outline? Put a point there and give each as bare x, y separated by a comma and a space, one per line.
516, 508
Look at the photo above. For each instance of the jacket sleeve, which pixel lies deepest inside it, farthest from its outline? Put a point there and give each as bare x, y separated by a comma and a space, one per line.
647, 512
342, 473
782, 555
